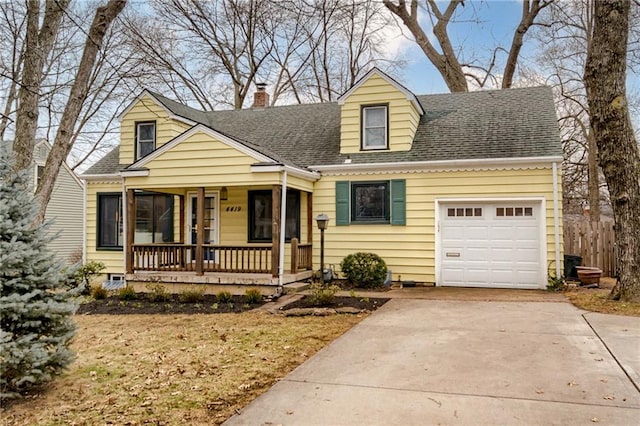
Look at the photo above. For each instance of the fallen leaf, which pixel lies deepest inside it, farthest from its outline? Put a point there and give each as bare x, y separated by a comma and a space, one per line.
609, 397
595, 420
572, 384
539, 391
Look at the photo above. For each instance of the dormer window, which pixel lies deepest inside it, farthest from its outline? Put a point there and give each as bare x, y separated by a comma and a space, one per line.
145, 138
374, 127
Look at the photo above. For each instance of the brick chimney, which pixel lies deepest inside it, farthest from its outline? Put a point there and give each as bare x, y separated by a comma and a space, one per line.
261, 97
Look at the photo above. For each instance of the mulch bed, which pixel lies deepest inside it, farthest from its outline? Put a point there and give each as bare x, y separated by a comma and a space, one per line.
361, 303
142, 305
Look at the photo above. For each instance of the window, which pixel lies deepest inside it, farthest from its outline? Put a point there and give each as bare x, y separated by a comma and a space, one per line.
370, 202
464, 212
110, 221
145, 139
374, 127
260, 218
39, 173
154, 218
514, 211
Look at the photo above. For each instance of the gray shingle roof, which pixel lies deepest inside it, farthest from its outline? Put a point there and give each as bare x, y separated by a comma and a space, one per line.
509, 123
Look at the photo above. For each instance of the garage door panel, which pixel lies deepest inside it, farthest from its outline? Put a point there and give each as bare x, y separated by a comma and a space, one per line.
492, 251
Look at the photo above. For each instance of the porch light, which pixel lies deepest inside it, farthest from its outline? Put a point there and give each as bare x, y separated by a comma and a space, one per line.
322, 220
224, 193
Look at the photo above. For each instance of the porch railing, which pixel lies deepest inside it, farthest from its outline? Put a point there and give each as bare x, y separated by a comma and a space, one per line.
217, 258
301, 256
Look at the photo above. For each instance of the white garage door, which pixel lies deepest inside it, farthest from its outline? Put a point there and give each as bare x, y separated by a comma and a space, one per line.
490, 245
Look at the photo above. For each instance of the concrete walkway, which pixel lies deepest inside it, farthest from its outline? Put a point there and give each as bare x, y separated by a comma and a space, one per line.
421, 362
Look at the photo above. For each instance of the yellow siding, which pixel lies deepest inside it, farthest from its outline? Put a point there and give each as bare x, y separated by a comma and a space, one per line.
146, 109
201, 161
410, 250
403, 117
113, 260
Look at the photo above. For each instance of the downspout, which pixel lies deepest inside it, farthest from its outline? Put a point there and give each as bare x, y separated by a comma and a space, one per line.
556, 219
84, 222
283, 222
123, 216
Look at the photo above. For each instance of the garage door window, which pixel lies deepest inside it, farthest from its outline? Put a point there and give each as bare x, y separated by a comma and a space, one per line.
514, 211
464, 212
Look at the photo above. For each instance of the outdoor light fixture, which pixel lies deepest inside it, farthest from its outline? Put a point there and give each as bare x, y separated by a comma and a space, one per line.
224, 193
323, 221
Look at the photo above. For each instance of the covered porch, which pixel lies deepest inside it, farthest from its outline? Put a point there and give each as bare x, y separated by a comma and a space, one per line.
218, 235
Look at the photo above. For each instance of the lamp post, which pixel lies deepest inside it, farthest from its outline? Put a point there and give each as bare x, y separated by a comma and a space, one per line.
322, 221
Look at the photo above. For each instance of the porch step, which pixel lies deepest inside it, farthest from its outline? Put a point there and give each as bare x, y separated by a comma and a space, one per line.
296, 287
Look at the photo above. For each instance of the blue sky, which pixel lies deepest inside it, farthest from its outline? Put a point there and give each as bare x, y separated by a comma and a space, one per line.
493, 25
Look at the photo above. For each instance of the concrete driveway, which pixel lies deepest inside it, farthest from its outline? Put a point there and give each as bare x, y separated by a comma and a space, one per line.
417, 362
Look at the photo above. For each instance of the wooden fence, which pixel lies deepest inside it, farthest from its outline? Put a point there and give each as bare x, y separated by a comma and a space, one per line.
594, 242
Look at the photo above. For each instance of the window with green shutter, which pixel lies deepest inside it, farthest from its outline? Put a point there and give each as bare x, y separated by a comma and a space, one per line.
372, 202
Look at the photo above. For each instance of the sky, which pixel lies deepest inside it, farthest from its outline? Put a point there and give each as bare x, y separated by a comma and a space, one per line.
481, 26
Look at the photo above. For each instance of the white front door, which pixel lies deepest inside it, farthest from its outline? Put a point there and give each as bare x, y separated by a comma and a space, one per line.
210, 225
491, 245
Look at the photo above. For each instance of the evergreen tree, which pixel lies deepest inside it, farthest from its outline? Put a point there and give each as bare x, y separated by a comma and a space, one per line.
36, 303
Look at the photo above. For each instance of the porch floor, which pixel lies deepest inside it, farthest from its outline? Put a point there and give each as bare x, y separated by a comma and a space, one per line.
216, 278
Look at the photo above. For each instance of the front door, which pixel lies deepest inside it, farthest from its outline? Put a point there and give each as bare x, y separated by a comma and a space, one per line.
210, 225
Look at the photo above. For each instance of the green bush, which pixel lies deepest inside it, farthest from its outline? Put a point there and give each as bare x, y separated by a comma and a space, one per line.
157, 293
99, 293
366, 270
192, 295
252, 296
224, 297
323, 295
85, 273
127, 293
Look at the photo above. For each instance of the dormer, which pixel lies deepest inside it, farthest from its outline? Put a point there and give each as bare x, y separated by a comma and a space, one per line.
378, 114
147, 124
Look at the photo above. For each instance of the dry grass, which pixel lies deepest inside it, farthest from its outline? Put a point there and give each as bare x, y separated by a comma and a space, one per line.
596, 300
174, 369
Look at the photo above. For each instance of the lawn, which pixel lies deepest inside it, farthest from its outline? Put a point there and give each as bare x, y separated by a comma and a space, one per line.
596, 300
174, 369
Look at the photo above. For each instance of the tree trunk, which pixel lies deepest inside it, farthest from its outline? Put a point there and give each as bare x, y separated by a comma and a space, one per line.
38, 44
594, 179
605, 74
103, 18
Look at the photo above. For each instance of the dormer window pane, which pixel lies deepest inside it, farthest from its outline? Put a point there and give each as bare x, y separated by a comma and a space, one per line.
374, 127
146, 139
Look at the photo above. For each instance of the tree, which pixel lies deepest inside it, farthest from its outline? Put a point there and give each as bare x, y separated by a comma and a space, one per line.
619, 155
446, 60
37, 308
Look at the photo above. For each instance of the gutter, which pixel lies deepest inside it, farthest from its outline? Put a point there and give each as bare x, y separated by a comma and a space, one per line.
439, 164
84, 223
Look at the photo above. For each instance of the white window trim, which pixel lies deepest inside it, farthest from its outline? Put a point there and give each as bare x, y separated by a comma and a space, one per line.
138, 139
364, 128
35, 175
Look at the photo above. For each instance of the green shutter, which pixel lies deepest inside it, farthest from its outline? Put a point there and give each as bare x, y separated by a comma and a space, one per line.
398, 202
342, 203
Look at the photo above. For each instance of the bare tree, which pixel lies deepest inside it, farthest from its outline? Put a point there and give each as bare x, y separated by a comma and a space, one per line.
446, 59
37, 46
605, 80
104, 17
11, 39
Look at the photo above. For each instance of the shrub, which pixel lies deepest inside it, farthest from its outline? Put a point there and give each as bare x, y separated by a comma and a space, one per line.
192, 295
85, 273
224, 297
158, 293
323, 295
252, 296
127, 293
366, 270
99, 293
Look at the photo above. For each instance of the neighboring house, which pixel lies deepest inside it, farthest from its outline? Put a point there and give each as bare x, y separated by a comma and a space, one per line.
64, 210
458, 189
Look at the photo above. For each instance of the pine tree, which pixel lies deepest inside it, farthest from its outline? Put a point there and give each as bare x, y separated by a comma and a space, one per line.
36, 303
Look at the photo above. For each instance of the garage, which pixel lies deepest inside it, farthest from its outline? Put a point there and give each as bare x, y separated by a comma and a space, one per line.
497, 245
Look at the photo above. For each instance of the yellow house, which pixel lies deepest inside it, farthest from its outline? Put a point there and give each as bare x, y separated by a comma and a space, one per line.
454, 190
